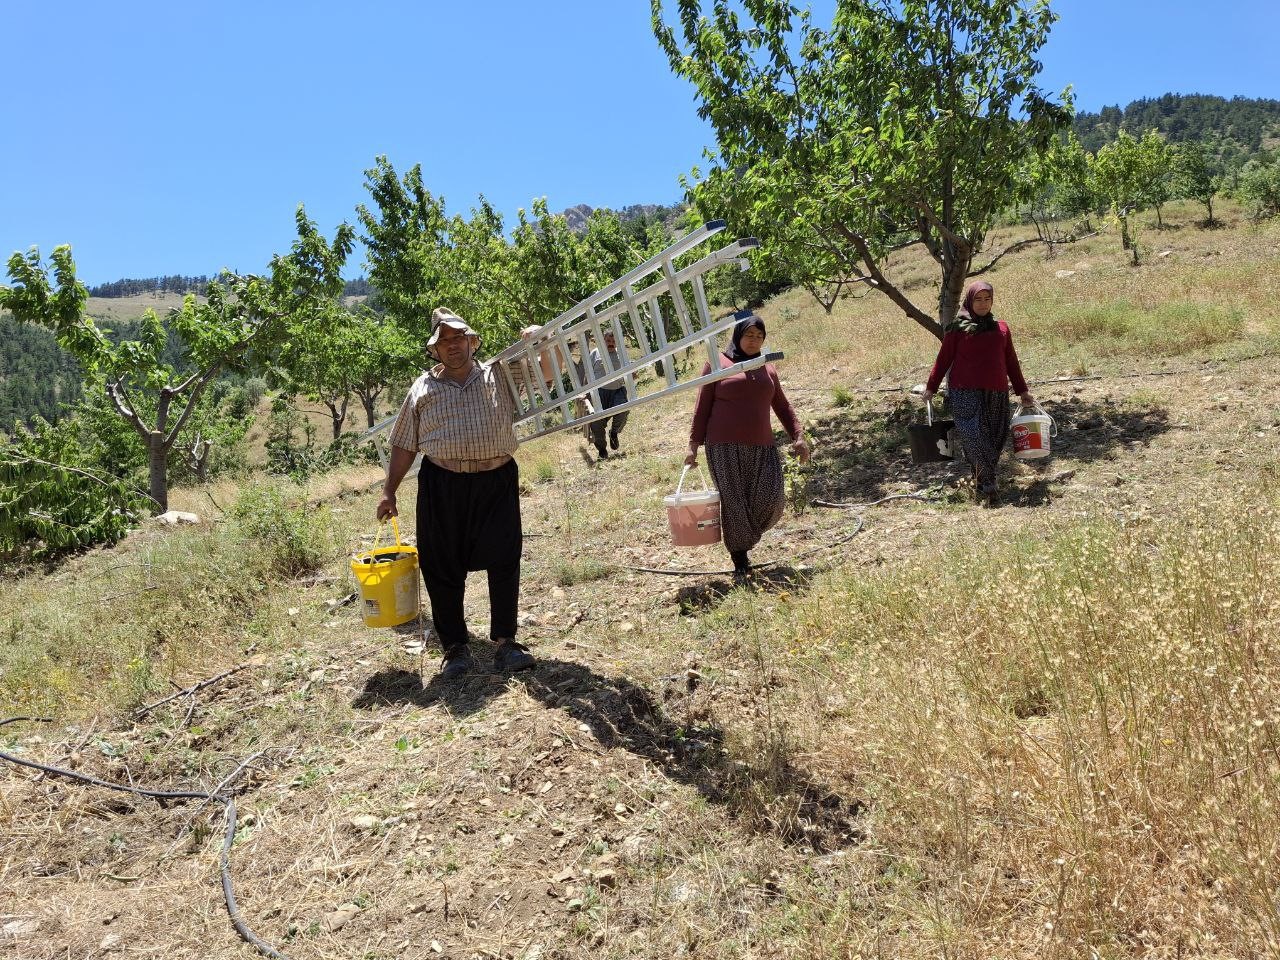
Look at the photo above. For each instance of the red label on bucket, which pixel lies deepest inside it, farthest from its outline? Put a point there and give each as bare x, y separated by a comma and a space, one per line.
1027, 436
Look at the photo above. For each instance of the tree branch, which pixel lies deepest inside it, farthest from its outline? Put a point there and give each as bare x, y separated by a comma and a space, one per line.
884, 286
191, 404
84, 473
125, 407
961, 244
1020, 245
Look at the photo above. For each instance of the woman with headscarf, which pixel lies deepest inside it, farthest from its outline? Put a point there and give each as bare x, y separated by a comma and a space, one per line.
978, 352
732, 419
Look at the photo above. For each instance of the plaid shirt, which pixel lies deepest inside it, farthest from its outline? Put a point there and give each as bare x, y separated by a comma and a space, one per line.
472, 420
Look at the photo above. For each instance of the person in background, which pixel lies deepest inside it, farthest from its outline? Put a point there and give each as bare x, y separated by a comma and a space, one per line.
731, 418
461, 417
978, 352
611, 395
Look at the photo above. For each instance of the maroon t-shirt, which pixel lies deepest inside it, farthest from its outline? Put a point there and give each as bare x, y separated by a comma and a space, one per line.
979, 361
736, 409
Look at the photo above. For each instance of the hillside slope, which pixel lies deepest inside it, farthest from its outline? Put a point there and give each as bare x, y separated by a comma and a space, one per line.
927, 729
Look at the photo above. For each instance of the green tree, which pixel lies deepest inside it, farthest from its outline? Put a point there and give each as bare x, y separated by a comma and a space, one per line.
904, 122
1259, 186
1118, 175
239, 311
1156, 158
386, 355
1195, 176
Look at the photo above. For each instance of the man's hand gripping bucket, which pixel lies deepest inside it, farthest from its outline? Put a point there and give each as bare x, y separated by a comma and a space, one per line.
694, 517
388, 578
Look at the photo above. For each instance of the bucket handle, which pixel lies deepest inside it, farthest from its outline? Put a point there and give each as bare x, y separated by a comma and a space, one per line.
1053, 424
381, 526
683, 473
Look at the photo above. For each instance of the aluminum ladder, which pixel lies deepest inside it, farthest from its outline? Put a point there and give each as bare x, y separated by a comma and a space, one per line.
553, 391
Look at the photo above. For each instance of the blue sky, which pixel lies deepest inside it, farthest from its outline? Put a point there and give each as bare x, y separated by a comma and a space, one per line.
178, 138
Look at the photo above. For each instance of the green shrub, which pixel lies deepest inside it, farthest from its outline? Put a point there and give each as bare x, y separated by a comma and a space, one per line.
293, 538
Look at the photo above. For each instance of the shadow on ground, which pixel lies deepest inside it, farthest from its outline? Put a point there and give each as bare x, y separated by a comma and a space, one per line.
773, 797
776, 578
862, 454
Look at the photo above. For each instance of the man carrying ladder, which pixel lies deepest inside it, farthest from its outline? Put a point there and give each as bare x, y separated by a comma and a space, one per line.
461, 417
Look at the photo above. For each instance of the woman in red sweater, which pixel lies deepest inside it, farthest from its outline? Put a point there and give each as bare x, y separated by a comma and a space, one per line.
732, 419
978, 350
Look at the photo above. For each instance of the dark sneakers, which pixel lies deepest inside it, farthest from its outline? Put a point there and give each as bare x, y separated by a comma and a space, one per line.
512, 656
602, 452
457, 662
613, 440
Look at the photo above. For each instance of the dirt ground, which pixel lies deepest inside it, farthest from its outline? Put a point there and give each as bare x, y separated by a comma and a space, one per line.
629, 797
574, 810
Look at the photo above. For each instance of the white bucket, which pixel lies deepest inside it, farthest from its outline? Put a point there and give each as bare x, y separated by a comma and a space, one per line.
1032, 433
694, 516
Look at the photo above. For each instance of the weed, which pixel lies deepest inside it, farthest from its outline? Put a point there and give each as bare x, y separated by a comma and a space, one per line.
291, 538
544, 470
567, 572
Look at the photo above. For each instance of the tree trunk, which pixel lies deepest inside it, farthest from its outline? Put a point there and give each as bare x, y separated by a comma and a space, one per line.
338, 414
158, 463
1159, 218
1209, 203
369, 400
952, 292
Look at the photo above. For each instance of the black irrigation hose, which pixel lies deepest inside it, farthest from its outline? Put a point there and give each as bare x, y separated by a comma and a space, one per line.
229, 807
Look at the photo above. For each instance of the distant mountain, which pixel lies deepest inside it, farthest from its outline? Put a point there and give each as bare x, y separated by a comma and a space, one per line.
644, 213
358, 287
1241, 126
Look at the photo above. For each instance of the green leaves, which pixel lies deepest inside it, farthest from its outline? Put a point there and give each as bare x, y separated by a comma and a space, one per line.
900, 120
49, 507
156, 400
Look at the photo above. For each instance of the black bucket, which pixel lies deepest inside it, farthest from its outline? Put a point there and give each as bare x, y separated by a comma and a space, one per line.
931, 441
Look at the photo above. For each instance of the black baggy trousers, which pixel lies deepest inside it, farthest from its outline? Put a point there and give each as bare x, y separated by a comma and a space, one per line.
470, 521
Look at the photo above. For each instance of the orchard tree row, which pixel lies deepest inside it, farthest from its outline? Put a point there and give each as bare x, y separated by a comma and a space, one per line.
174, 397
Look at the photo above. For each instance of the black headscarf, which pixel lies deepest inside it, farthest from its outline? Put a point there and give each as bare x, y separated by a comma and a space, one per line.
742, 326
970, 322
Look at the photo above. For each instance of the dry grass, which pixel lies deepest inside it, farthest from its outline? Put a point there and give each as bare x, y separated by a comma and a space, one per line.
1021, 733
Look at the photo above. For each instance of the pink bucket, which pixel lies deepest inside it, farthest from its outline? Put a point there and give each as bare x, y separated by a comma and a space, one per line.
694, 516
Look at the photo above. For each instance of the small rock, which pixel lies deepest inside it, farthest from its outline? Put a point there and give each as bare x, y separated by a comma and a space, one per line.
366, 821
564, 876
435, 947
110, 942
339, 918
174, 517
18, 928
1063, 274
1164, 253
605, 878
507, 840
557, 593
294, 611
626, 626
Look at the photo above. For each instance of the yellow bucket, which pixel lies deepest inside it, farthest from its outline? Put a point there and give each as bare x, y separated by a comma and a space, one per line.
388, 578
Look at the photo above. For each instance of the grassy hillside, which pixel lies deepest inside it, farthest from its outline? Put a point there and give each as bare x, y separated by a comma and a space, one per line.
927, 730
